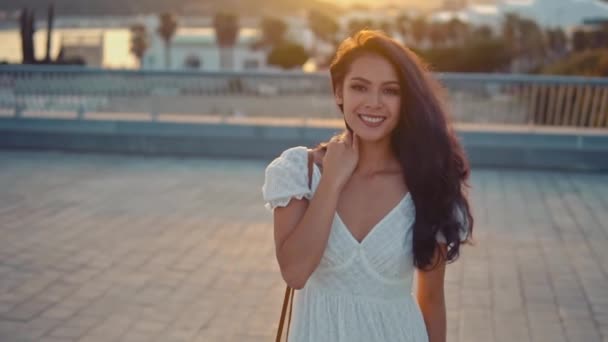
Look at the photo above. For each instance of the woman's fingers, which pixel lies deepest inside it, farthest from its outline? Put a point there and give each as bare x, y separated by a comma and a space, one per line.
355, 143
348, 138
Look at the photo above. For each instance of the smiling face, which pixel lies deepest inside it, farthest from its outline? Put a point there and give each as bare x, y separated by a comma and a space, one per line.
371, 97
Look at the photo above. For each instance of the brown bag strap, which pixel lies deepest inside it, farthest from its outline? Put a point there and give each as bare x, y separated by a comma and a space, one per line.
289, 292
287, 301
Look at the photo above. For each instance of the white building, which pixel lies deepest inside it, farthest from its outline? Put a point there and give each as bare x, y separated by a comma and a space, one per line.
196, 49
89, 47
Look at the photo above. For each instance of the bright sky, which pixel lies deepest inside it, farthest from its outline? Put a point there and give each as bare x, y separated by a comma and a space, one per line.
422, 4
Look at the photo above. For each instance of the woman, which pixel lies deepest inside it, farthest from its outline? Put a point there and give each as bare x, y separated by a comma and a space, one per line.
387, 200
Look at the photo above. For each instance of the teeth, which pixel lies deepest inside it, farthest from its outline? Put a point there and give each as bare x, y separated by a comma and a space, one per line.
371, 119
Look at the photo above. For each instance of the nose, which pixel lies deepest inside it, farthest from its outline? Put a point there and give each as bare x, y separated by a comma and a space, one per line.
374, 100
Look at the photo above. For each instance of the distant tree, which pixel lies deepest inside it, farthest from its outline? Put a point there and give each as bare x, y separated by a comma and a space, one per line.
402, 26
483, 32
556, 41
534, 41
356, 25
474, 56
511, 33
166, 30
323, 26
288, 55
437, 34
226, 34
457, 31
526, 41
579, 40
419, 29
139, 42
273, 31
598, 38
49, 32
589, 38
585, 63
27, 29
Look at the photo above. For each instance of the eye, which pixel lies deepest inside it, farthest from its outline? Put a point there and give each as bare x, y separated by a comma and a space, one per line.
391, 91
358, 87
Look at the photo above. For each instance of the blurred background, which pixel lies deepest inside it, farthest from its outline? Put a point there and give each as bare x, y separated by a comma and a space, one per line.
256, 58
134, 135
537, 37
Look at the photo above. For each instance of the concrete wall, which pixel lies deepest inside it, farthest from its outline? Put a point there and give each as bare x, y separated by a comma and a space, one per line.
499, 146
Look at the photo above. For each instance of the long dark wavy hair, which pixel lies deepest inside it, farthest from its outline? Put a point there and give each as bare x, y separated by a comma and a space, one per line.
435, 168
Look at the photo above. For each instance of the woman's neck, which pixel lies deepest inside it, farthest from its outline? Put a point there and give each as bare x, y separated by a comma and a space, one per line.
374, 157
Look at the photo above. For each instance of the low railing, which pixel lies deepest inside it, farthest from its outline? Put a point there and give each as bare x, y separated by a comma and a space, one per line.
529, 99
471, 98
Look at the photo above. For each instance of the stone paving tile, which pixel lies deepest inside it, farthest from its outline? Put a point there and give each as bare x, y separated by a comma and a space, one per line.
125, 248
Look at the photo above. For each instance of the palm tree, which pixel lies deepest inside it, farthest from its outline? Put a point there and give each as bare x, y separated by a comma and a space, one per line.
139, 42
403, 26
419, 28
288, 55
534, 42
483, 32
457, 31
273, 31
557, 41
226, 33
323, 27
166, 30
527, 42
437, 34
511, 32
579, 40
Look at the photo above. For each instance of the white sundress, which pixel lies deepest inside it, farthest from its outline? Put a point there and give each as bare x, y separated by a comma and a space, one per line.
359, 291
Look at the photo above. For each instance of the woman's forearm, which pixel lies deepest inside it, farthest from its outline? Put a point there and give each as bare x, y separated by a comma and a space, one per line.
303, 248
434, 313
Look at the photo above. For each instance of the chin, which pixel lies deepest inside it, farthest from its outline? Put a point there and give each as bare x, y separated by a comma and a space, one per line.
365, 135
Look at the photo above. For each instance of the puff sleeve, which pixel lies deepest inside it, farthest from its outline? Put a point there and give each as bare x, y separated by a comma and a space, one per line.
286, 177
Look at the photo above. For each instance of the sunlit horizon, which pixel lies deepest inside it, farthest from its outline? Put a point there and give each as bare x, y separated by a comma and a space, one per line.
421, 4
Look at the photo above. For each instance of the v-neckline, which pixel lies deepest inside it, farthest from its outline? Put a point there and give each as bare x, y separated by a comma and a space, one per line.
374, 227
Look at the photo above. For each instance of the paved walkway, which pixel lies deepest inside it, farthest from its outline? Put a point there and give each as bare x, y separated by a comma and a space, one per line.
118, 248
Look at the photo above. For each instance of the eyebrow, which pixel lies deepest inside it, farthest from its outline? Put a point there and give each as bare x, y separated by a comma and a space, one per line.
368, 81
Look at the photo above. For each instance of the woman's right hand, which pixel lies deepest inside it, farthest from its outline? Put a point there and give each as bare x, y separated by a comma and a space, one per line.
340, 159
